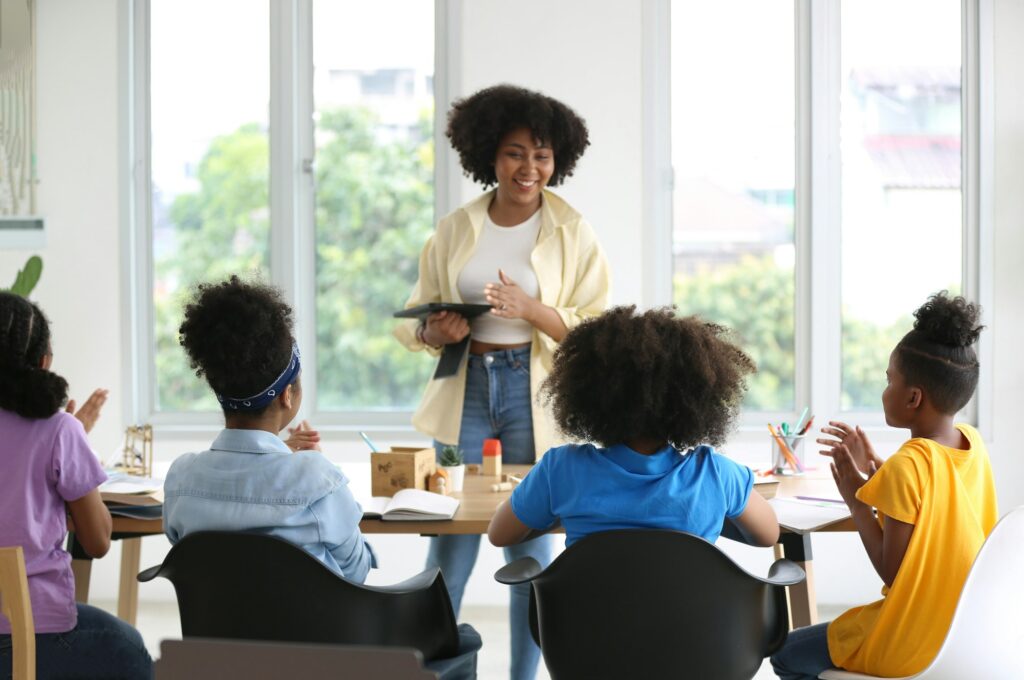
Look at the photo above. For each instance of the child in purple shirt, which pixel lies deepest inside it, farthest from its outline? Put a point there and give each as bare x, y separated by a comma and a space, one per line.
49, 470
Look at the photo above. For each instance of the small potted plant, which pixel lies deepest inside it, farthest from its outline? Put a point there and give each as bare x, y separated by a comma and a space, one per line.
452, 461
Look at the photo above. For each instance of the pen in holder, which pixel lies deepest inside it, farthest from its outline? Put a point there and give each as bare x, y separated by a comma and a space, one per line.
787, 454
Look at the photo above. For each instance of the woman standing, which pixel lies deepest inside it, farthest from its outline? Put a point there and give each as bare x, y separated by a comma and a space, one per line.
529, 254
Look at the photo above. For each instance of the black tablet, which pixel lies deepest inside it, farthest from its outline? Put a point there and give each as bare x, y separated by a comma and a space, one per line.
423, 311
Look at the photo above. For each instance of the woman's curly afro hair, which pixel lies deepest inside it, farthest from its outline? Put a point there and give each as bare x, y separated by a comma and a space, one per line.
238, 335
938, 354
625, 375
477, 124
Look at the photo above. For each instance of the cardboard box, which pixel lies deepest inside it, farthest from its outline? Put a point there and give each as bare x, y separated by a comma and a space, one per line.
403, 467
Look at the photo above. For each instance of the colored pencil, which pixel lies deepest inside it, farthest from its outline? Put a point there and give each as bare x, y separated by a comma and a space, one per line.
790, 458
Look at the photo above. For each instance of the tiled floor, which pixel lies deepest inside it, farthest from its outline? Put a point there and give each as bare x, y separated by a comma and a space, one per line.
159, 620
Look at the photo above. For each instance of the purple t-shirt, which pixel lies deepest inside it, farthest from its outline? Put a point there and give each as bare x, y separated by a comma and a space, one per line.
43, 463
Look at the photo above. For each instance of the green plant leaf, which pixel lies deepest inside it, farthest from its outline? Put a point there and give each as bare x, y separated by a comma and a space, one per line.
28, 277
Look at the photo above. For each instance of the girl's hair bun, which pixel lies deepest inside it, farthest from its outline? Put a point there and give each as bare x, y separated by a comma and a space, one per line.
950, 321
31, 392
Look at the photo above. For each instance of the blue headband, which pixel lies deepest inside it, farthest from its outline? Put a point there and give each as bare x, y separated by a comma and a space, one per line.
258, 401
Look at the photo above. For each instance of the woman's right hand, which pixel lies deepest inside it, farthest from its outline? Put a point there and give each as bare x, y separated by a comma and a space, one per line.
445, 328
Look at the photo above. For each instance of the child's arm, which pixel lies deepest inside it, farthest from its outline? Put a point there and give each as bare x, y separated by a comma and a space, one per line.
92, 523
856, 442
887, 548
506, 529
758, 522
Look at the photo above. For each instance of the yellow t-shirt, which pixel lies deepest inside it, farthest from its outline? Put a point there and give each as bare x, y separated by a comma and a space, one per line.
949, 496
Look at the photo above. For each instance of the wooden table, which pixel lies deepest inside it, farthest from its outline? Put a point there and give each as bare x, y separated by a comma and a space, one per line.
478, 504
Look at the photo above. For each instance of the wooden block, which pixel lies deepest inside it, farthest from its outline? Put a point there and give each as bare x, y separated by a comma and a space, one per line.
403, 467
440, 482
492, 457
472, 469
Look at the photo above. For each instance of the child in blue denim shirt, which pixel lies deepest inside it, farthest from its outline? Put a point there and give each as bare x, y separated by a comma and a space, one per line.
239, 337
652, 390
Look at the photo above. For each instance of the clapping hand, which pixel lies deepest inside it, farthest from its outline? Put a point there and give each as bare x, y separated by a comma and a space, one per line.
303, 438
90, 411
856, 443
846, 474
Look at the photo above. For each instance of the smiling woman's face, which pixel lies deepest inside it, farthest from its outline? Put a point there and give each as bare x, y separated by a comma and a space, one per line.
523, 167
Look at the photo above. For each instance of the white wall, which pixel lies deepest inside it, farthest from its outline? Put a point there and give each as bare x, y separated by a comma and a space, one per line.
586, 53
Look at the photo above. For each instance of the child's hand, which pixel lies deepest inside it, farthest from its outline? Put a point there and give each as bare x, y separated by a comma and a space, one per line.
90, 411
856, 442
848, 477
303, 438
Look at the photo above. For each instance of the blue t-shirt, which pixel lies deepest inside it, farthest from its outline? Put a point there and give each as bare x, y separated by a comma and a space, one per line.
592, 489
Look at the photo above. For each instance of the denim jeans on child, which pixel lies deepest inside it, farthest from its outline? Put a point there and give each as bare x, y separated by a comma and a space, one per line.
100, 646
804, 655
497, 406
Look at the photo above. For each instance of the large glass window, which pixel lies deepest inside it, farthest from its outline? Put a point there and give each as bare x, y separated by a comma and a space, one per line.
374, 101
210, 159
902, 216
733, 152
213, 122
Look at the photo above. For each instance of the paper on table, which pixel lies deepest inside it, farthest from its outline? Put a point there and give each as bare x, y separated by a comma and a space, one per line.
805, 516
131, 490
410, 504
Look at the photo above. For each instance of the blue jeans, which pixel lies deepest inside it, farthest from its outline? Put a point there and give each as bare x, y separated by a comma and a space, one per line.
804, 655
100, 646
497, 406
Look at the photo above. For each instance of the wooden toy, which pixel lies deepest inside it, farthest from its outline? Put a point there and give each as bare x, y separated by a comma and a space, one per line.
403, 467
492, 457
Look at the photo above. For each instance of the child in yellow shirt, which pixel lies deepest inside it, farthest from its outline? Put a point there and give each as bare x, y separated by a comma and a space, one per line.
935, 499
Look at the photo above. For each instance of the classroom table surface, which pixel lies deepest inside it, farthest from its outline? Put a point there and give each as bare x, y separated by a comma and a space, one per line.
477, 505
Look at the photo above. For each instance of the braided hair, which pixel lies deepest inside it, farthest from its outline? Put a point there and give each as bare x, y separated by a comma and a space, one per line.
938, 354
25, 387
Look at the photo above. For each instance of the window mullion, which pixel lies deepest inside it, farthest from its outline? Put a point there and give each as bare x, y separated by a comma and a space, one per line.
976, 163
291, 180
821, 183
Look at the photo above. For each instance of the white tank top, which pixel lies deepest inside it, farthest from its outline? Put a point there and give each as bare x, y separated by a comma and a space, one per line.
508, 249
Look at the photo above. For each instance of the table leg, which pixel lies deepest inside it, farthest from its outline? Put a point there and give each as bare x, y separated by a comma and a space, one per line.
128, 592
803, 605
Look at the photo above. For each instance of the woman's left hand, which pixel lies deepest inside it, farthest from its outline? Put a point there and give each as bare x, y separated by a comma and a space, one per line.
509, 300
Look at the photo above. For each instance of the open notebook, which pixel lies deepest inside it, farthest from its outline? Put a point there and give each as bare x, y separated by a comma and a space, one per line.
410, 504
123, 489
804, 516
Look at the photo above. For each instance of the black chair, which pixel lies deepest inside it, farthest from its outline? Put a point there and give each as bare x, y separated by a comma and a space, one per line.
249, 586
653, 604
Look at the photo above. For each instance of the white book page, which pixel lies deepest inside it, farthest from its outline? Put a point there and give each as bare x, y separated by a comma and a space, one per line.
419, 502
804, 516
374, 507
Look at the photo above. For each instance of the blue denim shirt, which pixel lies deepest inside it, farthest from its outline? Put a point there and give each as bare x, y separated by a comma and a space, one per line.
250, 480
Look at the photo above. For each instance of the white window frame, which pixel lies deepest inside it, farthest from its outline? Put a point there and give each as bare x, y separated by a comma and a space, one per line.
818, 260
292, 208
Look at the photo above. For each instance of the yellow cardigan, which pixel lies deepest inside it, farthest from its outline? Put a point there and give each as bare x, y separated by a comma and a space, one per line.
573, 277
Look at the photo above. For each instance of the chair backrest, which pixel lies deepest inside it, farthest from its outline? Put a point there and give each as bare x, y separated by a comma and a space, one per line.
199, 659
16, 606
986, 636
257, 587
654, 604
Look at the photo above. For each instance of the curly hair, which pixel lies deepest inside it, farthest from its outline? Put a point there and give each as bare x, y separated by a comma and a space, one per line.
938, 354
477, 124
25, 387
238, 335
626, 375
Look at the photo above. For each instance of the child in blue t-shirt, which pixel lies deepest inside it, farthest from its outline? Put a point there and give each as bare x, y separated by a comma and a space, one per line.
652, 390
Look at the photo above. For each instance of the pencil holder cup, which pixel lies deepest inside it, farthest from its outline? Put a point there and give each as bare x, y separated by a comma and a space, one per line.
781, 463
